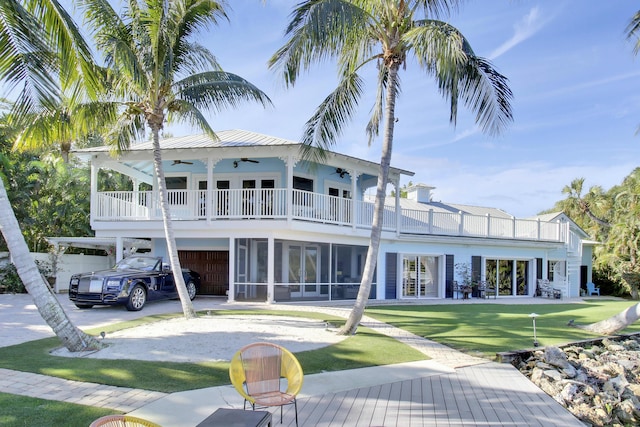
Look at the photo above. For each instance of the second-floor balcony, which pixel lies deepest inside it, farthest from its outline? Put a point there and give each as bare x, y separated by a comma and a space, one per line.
284, 204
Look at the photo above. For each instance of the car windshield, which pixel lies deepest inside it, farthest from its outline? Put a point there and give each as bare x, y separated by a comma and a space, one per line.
137, 263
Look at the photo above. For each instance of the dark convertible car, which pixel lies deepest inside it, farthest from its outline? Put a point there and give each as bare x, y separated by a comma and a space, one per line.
132, 282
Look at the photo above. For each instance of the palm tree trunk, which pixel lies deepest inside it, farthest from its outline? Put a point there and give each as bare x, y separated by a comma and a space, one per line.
357, 312
613, 324
172, 248
50, 309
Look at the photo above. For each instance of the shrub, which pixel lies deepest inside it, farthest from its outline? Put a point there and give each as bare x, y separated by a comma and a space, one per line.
10, 280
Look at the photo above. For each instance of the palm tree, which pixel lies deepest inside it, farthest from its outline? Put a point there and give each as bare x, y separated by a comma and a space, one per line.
158, 75
33, 38
576, 203
383, 33
71, 118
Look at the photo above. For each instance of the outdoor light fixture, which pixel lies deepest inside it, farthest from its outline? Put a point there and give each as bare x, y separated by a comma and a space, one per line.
535, 339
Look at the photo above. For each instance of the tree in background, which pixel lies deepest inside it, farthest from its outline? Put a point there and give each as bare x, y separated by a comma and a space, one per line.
49, 197
384, 33
158, 74
612, 218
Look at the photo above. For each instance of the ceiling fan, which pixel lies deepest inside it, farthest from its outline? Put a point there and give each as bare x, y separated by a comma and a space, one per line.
181, 162
341, 172
244, 159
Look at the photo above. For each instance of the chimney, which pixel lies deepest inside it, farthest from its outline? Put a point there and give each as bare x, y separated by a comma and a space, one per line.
420, 193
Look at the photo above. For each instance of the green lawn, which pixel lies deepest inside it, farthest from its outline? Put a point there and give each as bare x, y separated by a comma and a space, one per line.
367, 348
21, 411
485, 329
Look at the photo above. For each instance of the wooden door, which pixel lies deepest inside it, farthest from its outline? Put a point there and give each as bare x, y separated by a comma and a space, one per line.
213, 267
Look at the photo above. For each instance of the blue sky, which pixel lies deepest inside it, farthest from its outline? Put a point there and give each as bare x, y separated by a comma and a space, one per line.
576, 100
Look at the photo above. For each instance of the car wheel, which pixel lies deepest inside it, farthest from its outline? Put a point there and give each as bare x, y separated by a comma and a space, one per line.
137, 298
191, 290
84, 306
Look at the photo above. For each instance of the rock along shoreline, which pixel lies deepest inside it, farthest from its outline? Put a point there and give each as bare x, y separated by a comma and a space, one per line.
598, 381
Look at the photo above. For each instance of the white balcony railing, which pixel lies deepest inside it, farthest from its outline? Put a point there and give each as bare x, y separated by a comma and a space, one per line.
308, 206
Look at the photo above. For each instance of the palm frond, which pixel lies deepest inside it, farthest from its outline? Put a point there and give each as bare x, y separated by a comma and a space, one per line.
192, 15
76, 58
129, 128
318, 31
27, 63
115, 39
377, 112
218, 90
436, 8
195, 58
183, 111
633, 32
323, 128
487, 92
444, 53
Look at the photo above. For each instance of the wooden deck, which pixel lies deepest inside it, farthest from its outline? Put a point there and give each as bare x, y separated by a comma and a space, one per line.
480, 395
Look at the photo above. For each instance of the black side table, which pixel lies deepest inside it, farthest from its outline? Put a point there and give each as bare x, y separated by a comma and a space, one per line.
225, 417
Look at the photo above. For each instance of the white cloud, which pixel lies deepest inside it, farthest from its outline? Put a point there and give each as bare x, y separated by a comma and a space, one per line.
530, 24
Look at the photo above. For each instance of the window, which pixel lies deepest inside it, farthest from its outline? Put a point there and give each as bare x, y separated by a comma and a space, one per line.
300, 183
511, 276
174, 184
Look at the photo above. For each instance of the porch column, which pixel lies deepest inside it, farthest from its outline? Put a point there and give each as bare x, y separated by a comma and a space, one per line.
290, 162
209, 198
396, 185
232, 270
271, 269
355, 175
119, 249
93, 207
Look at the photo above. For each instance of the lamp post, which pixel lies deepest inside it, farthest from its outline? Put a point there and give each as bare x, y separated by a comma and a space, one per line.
535, 339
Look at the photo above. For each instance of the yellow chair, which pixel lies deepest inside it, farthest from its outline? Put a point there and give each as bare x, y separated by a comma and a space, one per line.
122, 421
257, 370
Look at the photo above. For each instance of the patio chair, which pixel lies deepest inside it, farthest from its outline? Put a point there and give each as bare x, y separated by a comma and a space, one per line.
256, 371
122, 421
592, 289
457, 289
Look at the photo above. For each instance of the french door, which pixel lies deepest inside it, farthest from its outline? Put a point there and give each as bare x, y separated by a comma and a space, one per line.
419, 276
304, 271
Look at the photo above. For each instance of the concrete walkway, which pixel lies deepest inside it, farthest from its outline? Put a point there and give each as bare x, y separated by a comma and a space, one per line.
457, 389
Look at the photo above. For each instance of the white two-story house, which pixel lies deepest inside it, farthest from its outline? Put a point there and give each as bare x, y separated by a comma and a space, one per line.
260, 223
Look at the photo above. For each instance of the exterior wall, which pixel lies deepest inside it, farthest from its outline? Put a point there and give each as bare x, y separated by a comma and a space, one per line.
462, 251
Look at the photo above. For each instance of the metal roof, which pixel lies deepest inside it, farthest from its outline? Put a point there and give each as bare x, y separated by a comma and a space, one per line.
226, 138
448, 208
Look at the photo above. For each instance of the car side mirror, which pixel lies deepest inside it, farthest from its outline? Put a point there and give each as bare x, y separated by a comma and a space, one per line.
166, 268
